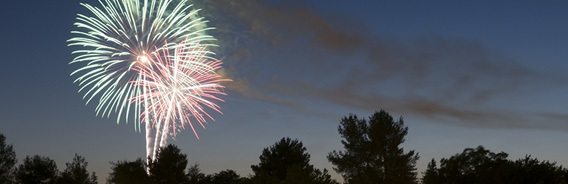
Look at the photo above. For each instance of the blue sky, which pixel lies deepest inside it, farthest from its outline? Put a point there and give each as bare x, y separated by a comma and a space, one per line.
461, 74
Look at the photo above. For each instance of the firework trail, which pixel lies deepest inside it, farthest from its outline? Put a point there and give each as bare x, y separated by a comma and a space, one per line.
127, 34
178, 86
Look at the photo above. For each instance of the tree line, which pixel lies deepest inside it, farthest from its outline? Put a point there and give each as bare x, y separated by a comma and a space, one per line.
372, 154
39, 169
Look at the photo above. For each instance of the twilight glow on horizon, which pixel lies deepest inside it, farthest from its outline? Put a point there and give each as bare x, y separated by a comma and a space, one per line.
461, 74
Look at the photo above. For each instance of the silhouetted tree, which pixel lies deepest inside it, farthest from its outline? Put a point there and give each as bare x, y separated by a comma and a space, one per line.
295, 175
7, 161
372, 153
431, 174
480, 165
125, 172
287, 162
226, 177
276, 159
76, 172
322, 177
475, 166
530, 170
37, 170
169, 166
196, 177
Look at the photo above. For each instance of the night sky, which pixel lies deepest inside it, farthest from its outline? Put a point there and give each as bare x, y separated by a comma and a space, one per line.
461, 74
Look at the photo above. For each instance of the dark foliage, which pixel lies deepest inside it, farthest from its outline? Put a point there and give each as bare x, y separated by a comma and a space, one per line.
483, 166
372, 151
276, 159
169, 166
287, 162
7, 161
37, 170
226, 177
431, 174
474, 166
125, 172
530, 170
196, 177
76, 172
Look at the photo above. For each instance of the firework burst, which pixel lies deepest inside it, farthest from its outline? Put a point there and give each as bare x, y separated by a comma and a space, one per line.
177, 86
125, 63
121, 35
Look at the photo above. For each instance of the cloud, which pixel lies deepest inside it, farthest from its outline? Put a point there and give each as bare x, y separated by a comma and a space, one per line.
340, 61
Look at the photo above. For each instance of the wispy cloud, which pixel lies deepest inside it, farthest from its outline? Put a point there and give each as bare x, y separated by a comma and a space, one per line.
432, 76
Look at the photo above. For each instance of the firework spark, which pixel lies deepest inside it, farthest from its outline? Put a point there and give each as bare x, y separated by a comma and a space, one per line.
123, 42
178, 86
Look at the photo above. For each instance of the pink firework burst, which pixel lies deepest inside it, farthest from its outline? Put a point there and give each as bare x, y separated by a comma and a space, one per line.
176, 88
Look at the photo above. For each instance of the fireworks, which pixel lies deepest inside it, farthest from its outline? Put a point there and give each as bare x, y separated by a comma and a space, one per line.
127, 66
178, 86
